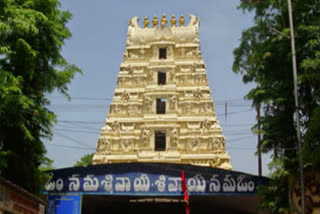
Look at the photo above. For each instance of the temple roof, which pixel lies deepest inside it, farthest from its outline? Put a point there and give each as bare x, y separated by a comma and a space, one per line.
163, 32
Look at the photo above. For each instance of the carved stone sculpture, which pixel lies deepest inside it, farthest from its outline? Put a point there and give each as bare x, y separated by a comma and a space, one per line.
116, 127
193, 144
125, 96
103, 145
174, 138
172, 103
205, 125
146, 134
197, 94
126, 145
147, 103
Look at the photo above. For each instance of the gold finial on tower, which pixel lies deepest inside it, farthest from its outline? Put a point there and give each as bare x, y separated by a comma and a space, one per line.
155, 21
145, 22
164, 19
182, 21
173, 21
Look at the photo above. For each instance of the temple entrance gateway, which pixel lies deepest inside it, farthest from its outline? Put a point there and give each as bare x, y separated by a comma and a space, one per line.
98, 204
143, 186
162, 110
124, 204
161, 139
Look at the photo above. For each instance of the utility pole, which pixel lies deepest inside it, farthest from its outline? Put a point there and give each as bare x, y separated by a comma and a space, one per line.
259, 141
294, 63
225, 110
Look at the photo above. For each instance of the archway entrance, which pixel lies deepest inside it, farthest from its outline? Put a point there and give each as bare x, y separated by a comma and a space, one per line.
100, 204
151, 188
124, 204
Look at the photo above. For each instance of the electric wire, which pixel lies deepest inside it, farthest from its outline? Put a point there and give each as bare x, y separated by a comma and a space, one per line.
109, 98
71, 139
79, 126
76, 131
240, 138
104, 107
71, 147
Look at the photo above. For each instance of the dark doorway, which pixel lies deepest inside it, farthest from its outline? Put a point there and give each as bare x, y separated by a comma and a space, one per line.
101, 204
95, 204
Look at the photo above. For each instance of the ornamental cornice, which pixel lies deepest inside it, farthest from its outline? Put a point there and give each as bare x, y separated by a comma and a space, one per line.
163, 33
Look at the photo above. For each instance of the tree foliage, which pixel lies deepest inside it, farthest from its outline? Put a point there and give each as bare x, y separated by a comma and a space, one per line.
265, 57
85, 161
32, 33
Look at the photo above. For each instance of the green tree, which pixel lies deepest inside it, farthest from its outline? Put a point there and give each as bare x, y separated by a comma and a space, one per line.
45, 166
32, 33
85, 161
265, 57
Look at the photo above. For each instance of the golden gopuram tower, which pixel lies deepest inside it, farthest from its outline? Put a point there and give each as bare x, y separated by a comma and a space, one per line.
162, 110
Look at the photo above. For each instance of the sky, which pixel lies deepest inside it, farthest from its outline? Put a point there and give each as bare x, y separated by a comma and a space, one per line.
99, 31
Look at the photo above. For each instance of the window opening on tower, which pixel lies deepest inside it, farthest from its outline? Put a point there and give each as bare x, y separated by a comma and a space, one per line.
162, 77
162, 53
161, 106
160, 141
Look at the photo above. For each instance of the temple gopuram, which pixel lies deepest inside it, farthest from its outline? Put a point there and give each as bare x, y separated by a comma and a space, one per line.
161, 149
162, 110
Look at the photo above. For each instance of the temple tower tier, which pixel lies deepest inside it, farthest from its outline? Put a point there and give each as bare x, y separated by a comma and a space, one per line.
162, 110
